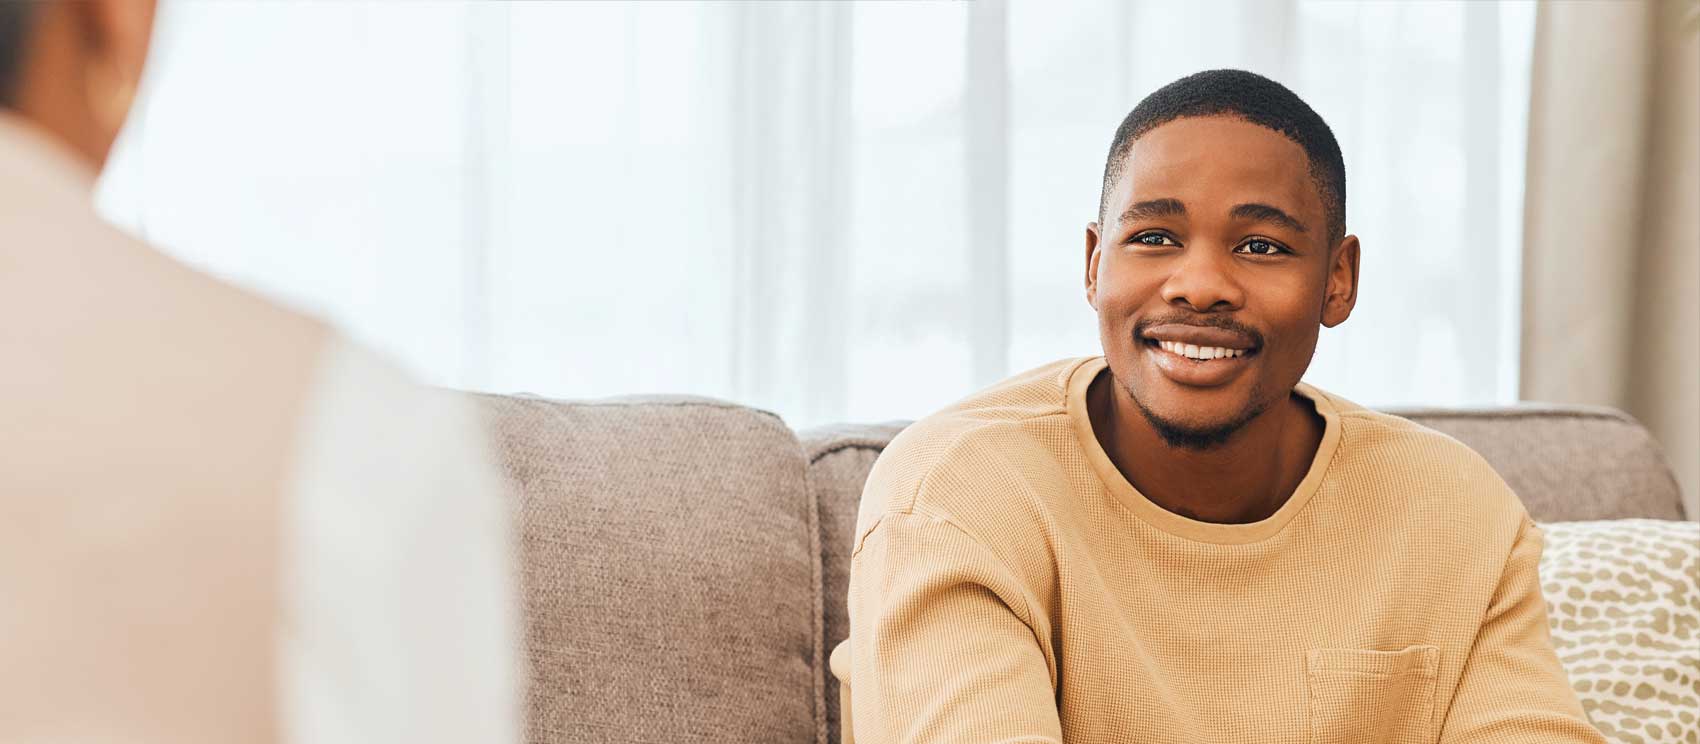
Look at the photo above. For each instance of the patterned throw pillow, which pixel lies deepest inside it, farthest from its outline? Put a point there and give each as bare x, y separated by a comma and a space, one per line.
1624, 599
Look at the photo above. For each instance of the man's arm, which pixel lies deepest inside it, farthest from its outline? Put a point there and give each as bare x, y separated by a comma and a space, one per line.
944, 644
1513, 690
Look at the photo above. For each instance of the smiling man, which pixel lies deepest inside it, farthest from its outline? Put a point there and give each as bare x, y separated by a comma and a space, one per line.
1179, 541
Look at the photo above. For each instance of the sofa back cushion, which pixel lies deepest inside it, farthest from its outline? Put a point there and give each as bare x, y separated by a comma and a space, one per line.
670, 571
839, 460
1565, 462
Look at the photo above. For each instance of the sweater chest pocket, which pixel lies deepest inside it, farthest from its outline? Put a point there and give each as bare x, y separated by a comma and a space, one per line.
1384, 697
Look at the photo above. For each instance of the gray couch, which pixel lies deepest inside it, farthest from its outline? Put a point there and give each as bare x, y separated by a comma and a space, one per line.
685, 562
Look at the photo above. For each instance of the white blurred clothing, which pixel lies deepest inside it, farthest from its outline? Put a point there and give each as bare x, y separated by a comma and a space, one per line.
219, 520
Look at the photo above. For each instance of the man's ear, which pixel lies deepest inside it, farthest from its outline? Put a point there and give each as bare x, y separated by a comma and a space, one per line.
1342, 293
1092, 239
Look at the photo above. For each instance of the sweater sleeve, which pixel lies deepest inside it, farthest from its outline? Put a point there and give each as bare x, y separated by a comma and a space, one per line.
943, 642
1513, 689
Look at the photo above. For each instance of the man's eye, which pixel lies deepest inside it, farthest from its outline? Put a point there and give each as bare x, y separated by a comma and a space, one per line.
1154, 239
1259, 247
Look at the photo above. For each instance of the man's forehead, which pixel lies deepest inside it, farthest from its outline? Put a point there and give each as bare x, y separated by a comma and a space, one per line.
1211, 162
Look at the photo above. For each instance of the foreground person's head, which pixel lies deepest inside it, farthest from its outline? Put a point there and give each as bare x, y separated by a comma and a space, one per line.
71, 67
1219, 252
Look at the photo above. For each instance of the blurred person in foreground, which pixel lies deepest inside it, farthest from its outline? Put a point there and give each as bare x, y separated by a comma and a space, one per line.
1178, 541
222, 521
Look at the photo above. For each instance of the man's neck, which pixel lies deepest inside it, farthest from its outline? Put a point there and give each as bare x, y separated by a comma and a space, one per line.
1243, 480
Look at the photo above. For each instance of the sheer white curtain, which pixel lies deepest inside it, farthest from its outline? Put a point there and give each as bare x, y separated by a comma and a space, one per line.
836, 211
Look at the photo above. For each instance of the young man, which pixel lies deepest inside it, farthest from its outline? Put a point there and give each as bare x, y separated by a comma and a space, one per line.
1179, 541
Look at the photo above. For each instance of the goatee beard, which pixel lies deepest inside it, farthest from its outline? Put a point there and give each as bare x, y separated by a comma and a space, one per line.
1183, 436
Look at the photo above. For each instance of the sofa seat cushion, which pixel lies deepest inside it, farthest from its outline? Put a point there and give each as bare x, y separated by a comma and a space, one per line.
1624, 600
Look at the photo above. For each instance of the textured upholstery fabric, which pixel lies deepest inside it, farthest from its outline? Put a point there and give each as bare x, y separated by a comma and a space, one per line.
839, 460
684, 561
1624, 599
670, 564
1565, 463
1568, 463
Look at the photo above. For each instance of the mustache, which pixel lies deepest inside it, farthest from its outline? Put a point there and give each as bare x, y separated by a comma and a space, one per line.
1222, 322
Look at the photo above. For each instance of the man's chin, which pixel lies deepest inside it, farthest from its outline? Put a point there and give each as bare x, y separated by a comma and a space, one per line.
1194, 433
1189, 417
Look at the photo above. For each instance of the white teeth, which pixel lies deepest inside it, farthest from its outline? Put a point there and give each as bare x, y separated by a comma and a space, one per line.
1201, 353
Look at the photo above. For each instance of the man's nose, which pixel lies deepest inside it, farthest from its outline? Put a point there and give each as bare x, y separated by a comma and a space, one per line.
1202, 279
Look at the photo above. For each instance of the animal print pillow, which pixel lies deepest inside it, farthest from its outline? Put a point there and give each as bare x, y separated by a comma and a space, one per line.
1624, 600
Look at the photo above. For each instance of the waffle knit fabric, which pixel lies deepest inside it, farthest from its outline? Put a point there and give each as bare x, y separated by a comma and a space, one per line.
1010, 585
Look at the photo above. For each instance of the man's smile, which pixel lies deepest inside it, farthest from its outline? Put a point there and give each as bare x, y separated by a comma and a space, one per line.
1199, 353
1198, 356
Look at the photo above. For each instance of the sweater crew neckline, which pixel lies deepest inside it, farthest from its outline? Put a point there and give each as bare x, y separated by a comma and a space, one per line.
1081, 378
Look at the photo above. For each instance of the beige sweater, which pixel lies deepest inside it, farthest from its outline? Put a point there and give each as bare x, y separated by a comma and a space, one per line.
1009, 585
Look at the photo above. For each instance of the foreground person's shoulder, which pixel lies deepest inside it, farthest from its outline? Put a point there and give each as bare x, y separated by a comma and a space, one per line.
394, 481
367, 413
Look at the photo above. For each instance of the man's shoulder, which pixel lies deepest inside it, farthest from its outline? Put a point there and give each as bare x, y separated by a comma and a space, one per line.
1037, 392
1420, 466
988, 448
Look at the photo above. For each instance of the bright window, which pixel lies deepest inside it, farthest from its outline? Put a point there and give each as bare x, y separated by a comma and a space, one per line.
839, 212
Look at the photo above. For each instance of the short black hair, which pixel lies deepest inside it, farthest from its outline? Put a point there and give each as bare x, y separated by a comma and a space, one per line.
15, 17
1248, 96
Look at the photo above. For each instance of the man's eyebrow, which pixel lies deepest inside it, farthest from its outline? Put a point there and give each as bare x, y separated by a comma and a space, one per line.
1154, 208
1266, 213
